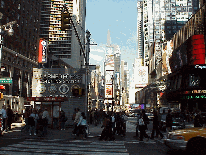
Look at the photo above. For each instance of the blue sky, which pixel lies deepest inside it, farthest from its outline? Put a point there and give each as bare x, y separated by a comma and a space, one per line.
120, 18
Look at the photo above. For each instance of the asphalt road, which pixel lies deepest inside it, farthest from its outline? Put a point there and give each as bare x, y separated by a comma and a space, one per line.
62, 142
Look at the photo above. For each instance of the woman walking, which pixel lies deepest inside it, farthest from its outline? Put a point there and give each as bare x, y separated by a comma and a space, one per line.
82, 125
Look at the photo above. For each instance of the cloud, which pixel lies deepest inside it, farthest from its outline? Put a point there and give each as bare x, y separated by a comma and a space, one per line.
96, 57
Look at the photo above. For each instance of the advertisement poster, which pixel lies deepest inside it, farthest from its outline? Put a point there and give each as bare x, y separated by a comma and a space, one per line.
108, 91
109, 65
108, 76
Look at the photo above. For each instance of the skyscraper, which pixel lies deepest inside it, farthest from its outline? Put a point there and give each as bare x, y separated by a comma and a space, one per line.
161, 20
64, 44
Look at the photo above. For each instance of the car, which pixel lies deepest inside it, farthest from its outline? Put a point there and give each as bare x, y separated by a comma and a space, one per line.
178, 122
192, 140
150, 116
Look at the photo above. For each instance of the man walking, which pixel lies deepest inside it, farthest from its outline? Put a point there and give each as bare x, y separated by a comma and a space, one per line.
4, 117
143, 121
169, 121
9, 117
77, 118
156, 126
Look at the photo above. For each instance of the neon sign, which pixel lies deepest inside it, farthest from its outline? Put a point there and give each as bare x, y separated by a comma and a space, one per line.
194, 97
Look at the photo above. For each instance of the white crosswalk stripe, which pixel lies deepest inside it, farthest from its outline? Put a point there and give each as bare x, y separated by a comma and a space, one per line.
84, 147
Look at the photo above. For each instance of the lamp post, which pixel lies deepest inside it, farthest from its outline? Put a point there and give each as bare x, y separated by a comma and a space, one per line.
3, 28
112, 92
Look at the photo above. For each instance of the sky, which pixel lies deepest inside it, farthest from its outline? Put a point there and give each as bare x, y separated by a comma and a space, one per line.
120, 18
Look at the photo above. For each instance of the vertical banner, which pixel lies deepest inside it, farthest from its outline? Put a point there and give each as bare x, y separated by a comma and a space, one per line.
108, 91
42, 58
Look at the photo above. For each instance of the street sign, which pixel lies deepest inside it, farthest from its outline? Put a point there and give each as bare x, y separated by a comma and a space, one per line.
5, 80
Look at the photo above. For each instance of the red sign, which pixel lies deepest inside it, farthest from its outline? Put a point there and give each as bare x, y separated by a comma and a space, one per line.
47, 99
42, 51
2, 87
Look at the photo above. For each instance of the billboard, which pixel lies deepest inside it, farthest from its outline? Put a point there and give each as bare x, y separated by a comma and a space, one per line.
141, 76
109, 62
108, 91
42, 58
108, 75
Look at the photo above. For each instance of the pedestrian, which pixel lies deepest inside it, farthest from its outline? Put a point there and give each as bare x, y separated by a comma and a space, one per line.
143, 121
137, 125
77, 118
156, 126
63, 119
118, 124
33, 122
113, 123
45, 117
26, 117
198, 122
56, 117
82, 126
9, 113
169, 121
124, 118
4, 118
107, 131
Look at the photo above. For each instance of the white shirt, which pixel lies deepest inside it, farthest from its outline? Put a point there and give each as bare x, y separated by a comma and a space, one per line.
45, 114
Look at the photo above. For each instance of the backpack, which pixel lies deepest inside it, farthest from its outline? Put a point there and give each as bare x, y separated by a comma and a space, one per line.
141, 121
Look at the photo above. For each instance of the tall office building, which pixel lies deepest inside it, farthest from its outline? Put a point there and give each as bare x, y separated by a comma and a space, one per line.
162, 19
64, 45
140, 29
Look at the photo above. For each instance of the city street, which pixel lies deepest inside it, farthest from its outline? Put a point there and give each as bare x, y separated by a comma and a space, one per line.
63, 142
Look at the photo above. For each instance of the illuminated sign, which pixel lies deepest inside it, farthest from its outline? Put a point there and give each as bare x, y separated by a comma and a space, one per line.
194, 97
42, 51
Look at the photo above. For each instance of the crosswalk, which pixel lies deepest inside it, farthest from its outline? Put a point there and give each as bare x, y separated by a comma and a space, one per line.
58, 146
55, 147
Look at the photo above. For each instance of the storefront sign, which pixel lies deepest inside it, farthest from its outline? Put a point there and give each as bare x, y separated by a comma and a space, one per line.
59, 78
47, 99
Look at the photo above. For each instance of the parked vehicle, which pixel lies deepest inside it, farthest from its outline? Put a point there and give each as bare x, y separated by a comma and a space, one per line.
193, 140
178, 122
150, 116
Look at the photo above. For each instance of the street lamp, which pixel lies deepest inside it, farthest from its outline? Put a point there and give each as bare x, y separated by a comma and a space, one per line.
3, 28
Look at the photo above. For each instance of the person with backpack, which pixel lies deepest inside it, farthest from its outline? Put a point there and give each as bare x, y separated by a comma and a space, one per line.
33, 121
82, 125
143, 121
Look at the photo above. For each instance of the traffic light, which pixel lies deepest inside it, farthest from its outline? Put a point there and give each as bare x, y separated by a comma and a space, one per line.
65, 21
1, 95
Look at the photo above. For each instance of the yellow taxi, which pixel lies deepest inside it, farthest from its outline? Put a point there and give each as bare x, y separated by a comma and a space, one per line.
193, 140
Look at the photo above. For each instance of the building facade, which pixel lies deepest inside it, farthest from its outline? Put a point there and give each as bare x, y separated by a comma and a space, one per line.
20, 51
65, 45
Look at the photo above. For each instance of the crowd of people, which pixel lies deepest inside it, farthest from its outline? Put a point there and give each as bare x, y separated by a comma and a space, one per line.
112, 123
37, 121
